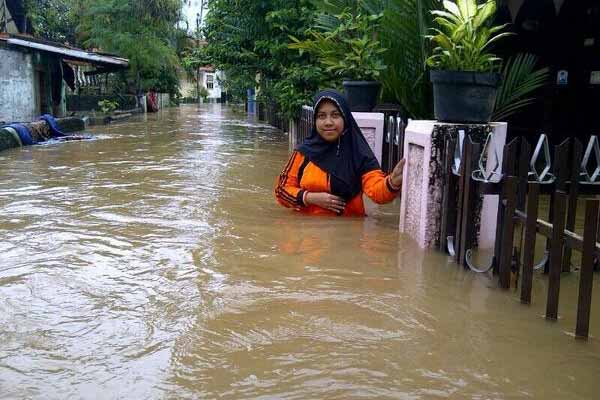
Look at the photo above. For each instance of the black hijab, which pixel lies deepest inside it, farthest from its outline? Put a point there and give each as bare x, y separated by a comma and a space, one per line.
351, 161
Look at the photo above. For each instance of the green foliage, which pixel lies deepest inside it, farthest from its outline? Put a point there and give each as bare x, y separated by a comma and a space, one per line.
231, 29
204, 92
54, 20
248, 40
351, 50
298, 88
519, 80
401, 32
142, 31
192, 59
107, 106
464, 37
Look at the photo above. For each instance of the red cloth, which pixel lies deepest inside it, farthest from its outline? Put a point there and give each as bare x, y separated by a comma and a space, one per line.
152, 101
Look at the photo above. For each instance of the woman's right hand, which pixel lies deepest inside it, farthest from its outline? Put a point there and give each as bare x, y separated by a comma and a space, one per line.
326, 200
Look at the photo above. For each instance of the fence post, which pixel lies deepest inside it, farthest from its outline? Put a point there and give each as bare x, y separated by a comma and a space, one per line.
560, 172
524, 156
510, 194
529, 250
448, 198
461, 193
586, 275
556, 253
576, 154
467, 226
508, 169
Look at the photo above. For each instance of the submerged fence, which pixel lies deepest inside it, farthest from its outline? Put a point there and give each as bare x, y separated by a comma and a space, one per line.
269, 112
470, 170
526, 173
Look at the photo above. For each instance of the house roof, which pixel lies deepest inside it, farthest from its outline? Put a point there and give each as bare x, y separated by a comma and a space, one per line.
66, 52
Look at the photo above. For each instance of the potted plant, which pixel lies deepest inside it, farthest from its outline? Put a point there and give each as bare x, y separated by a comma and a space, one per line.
352, 52
465, 74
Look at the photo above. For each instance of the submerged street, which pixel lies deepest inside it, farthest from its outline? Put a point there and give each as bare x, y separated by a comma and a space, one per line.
154, 262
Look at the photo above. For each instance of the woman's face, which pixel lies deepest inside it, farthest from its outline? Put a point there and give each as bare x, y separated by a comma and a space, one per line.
329, 121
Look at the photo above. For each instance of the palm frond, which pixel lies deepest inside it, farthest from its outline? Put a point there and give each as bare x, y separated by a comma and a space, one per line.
519, 80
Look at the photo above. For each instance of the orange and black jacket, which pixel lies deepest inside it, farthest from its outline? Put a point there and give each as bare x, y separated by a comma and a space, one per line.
301, 175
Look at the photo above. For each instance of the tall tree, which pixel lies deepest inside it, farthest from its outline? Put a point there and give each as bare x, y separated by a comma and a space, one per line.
55, 20
144, 31
248, 40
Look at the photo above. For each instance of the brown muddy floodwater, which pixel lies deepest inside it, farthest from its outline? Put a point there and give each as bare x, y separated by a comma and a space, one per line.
154, 263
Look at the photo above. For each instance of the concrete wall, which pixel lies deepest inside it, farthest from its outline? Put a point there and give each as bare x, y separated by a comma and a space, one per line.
90, 102
17, 92
164, 100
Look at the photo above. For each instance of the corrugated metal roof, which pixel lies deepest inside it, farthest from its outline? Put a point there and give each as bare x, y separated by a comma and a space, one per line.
68, 53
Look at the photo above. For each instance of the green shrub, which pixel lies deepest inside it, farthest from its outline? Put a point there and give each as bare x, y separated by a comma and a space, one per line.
108, 106
204, 92
350, 51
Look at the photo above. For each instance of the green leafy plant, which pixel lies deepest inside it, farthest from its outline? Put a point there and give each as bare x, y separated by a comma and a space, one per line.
402, 31
107, 106
203, 92
519, 80
143, 31
464, 37
351, 50
297, 89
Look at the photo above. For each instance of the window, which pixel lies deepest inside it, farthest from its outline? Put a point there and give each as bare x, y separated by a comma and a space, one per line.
210, 81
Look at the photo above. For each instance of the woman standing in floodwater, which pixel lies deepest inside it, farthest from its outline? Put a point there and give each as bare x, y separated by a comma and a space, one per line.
327, 174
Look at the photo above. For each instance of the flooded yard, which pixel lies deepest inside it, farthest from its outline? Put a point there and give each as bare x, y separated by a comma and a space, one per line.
153, 262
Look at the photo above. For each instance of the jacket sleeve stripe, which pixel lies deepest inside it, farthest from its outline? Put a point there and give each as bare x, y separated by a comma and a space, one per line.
281, 193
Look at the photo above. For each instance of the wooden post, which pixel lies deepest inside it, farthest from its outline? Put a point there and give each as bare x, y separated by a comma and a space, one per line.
529, 248
467, 229
460, 201
448, 198
576, 156
508, 169
556, 253
524, 156
559, 168
508, 231
586, 275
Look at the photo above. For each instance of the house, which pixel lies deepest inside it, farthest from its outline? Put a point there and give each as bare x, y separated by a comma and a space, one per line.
34, 72
194, 12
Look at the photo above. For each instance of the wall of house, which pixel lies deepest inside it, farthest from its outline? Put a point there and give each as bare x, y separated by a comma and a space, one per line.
17, 96
215, 92
187, 88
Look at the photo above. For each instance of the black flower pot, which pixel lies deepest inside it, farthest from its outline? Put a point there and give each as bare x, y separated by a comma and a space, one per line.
460, 96
361, 95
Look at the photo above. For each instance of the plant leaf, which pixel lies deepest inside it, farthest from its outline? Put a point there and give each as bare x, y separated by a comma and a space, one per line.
467, 8
483, 13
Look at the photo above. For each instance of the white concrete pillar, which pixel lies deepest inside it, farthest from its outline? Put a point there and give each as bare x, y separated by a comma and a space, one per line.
420, 207
371, 126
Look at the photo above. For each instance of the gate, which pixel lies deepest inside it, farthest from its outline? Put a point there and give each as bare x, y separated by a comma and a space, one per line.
525, 174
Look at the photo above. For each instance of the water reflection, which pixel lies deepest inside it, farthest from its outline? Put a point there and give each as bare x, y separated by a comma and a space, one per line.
154, 262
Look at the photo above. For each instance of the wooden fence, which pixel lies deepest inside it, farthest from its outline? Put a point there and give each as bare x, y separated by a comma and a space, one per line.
269, 112
525, 173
